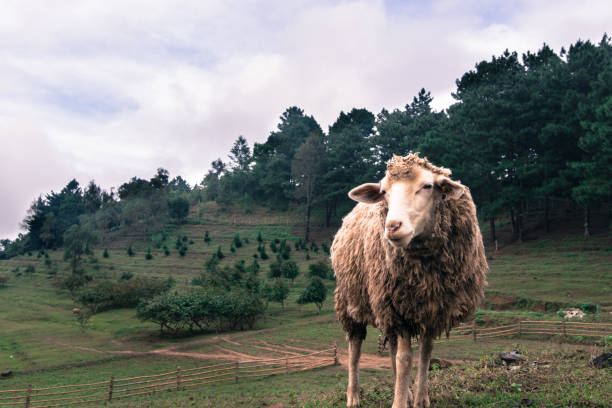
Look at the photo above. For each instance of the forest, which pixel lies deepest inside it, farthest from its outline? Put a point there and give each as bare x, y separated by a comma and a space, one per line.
530, 135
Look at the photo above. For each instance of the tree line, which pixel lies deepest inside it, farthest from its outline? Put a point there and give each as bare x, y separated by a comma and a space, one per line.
529, 135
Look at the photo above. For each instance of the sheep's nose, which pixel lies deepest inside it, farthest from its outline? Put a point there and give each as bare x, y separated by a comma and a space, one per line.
393, 226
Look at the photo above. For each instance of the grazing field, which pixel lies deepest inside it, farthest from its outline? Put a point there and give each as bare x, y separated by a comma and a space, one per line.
42, 343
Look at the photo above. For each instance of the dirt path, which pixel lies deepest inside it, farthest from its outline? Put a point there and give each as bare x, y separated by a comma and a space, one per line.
222, 353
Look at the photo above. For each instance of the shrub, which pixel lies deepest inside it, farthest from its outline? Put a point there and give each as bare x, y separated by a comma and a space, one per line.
237, 241
182, 250
107, 294
130, 251
178, 208
207, 238
105, 253
278, 293
30, 269
158, 239
201, 309
325, 248
232, 249
589, 307
166, 250
315, 292
314, 247
273, 247
220, 253
254, 267
126, 276
259, 237
148, 254
320, 269
290, 270
275, 270
285, 250
72, 282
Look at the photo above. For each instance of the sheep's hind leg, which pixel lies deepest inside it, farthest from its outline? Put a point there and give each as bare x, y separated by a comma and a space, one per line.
403, 362
393, 354
355, 338
421, 394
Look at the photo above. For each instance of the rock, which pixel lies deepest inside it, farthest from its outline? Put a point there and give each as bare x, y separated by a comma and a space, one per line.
573, 313
440, 362
603, 361
6, 373
512, 357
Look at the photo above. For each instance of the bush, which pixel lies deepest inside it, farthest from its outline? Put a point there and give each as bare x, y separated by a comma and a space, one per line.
178, 208
325, 248
290, 270
158, 239
278, 293
202, 309
219, 253
166, 250
275, 270
182, 251
589, 307
130, 251
148, 255
30, 269
273, 247
316, 292
72, 282
232, 249
320, 269
207, 238
237, 241
105, 253
259, 237
285, 250
107, 294
126, 276
314, 247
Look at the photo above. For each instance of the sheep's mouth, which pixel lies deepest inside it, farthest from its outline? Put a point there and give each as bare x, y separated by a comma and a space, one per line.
400, 242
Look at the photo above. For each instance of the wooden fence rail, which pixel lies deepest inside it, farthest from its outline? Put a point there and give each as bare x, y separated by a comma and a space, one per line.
119, 388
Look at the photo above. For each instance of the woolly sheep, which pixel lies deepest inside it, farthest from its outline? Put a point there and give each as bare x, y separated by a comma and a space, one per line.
408, 260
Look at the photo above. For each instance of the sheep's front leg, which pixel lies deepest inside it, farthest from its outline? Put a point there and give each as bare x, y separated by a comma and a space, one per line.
421, 391
352, 393
403, 364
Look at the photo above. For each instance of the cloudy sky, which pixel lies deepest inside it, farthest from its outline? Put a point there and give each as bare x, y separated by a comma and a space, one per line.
111, 89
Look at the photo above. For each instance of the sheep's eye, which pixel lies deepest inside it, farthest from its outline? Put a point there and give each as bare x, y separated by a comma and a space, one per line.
427, 186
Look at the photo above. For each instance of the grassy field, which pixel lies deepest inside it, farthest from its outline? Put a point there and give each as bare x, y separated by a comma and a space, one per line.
41, 342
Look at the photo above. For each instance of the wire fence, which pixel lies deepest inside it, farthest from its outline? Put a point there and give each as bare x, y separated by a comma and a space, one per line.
179, 379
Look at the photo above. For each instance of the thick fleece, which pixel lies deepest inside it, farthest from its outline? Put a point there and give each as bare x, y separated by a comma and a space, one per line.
429, 287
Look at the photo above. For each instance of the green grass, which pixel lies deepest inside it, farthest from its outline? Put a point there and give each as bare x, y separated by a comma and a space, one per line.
42, 343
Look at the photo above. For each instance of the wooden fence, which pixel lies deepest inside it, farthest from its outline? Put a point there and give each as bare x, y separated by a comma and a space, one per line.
524, 327
179, 379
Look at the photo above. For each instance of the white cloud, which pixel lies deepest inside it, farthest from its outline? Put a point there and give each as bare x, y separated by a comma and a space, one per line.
108, 90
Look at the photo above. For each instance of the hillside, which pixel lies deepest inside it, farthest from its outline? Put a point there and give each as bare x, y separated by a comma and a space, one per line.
42, 343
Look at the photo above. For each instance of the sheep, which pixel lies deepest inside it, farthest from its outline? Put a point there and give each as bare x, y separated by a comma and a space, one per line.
409, 260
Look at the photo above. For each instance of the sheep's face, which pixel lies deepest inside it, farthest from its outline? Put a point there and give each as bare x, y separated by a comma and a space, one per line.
411, 199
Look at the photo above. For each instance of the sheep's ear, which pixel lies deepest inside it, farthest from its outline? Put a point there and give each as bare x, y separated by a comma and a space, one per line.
451, 189
368, 193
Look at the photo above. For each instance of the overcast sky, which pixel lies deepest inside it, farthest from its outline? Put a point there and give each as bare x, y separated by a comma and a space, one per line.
107, 90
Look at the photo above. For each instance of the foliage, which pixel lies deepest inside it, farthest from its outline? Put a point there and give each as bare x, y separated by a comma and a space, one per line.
207, 238
315, 292
289, 270
78, 241
105, 253
279, 291
178, 208
320, 269
3, 281
107, 294
237, 240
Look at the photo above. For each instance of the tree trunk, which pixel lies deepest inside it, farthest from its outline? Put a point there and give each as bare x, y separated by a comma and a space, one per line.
327, 213
519, 225
587, 230
546, 214
513, 222
307, 234
492, 225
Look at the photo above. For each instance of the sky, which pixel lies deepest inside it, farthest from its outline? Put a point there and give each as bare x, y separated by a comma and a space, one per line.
108, 90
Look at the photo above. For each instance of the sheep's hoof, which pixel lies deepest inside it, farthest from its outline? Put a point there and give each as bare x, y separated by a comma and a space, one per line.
421, 402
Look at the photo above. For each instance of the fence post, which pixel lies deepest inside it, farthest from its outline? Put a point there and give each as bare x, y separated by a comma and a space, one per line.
287, 365
111, 385
237, 366
474, 329
335, 353
178, 378
564, 328
28, 395
520, 328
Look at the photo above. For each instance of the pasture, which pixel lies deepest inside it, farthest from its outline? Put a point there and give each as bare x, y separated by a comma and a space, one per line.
41, 342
